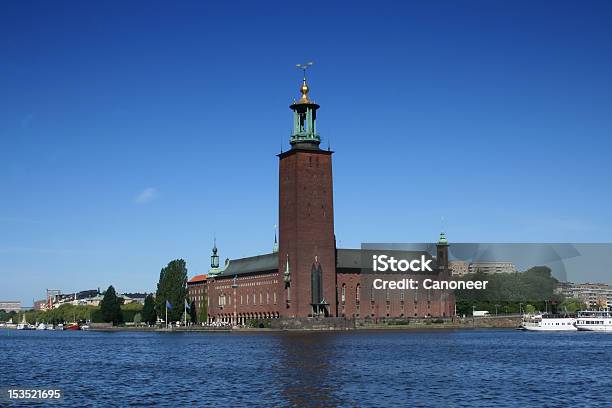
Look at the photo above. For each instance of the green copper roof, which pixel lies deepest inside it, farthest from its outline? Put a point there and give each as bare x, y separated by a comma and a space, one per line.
442, 239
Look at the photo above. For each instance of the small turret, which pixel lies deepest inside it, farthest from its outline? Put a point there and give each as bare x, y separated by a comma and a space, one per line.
275, 246
214, 261
442, 240
214, 258
287, 273
442, 253
304, 133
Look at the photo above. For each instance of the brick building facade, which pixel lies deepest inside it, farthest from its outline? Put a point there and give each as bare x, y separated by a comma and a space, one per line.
196, 290
306, 275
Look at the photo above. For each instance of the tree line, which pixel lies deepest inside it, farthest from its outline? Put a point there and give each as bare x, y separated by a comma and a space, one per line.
171, 287
529, 291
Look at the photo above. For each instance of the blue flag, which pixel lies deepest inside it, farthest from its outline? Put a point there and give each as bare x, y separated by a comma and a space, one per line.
168, 305
187, 305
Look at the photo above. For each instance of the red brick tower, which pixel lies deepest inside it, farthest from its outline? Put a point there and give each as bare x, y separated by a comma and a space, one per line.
307, 248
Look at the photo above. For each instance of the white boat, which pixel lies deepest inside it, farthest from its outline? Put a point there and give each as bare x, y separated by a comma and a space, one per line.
548, 322
24, 324
59, 327
594, 320
41, 326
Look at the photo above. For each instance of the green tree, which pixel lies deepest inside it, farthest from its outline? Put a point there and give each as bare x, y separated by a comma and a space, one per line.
203, 312
137, 318
172, 287
572, 305
148, 311
193, 313
530, 309
110, 306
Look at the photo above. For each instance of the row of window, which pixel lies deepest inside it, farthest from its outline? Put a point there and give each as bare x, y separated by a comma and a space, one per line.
372, 293
247, 299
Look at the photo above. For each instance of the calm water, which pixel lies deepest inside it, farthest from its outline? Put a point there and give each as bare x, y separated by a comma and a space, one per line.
427, 368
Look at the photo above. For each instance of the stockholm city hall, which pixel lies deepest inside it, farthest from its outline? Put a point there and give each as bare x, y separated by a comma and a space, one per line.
306, 275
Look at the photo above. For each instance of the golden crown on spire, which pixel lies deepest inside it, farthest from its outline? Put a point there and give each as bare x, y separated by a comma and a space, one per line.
304, 88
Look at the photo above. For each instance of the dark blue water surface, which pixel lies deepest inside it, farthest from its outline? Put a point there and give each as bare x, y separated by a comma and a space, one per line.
503, 368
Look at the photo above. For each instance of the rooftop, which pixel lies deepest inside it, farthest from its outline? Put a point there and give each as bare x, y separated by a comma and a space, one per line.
198, 278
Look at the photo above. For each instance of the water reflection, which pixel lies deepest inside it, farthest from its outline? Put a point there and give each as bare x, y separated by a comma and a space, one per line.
304, 369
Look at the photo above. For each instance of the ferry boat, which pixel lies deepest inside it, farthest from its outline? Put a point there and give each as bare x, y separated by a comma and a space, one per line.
548, 322
594, 320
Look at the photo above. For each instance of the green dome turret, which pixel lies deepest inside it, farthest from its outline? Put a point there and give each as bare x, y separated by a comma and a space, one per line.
442, 240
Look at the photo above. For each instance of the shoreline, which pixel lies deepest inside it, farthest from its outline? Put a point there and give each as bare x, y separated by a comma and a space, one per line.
410, 325
465, 324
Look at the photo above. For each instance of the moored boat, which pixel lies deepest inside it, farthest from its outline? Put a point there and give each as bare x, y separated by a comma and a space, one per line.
594, 320
24, 324
548, 322
72, 326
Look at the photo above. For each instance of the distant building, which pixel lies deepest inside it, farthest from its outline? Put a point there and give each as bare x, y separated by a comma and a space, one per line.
40, 304
490, 268
196, 290
458, 268
91, 297
10, 306
133, 298
76, 298
593, 294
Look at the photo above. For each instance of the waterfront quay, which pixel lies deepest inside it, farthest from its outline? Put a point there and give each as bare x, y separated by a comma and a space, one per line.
492, 322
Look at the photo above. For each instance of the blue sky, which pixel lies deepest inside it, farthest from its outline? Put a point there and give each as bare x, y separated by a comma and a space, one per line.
132, 133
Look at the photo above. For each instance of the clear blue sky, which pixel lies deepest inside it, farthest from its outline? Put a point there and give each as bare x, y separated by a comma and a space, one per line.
132, 132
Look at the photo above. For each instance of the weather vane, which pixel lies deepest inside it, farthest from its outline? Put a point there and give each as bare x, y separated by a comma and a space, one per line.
304, 67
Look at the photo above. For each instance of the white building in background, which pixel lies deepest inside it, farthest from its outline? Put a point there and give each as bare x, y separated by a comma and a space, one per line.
490, 268
593, 294
10, 305
458, 268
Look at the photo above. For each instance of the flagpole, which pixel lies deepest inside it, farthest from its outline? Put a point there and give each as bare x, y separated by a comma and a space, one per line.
185, 314
166, 315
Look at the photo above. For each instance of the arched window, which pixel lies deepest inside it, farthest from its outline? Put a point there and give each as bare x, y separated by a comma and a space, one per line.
343, 294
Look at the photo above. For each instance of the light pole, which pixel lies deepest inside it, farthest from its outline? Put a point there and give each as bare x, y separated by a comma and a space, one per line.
521, 308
